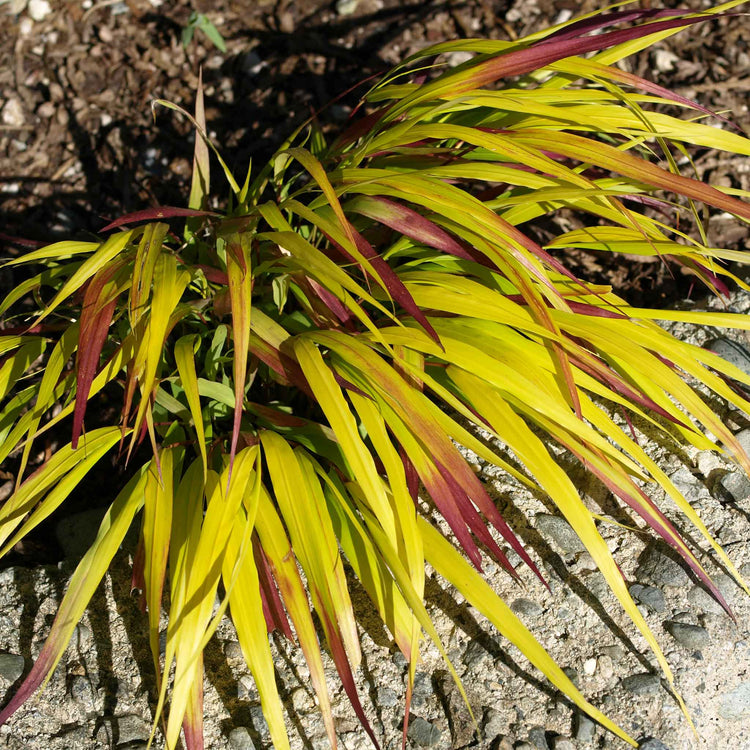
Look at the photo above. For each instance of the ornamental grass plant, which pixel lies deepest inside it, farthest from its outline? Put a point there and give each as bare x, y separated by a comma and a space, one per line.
304, 364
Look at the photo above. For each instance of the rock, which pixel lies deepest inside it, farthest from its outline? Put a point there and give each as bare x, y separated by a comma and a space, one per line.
526, 607
240, 739
423, 733
74, 736
12, 114
132, 728
651, 743
643, 683
615, 653
83, 693
743, 437
538, 738
6, 488
38, 10
560, 532
688, 484
259, 722
736, 486
664, 60
399, 660
11, 666
474, 655
584, 728
563, 743
589, 667
82, 637
302, 701
493, 724
233, 651
690, 636
701, 599
649, 596
387, 697
346, 7
571, 674
735, 704
422, 684
660, 569
732, 352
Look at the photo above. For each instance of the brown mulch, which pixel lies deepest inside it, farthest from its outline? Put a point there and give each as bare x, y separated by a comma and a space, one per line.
79, 145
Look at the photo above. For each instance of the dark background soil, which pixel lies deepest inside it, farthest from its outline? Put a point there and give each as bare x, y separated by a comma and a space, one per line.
79, 145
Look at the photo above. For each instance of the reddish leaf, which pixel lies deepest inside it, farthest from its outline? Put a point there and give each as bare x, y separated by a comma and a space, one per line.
409, 223
338, 652
600, 21
273, 609
412, 476
390, 280
21, 241
152, 214
96, 316
545, 53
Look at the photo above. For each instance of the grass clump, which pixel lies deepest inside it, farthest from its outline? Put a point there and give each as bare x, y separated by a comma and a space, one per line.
303, 363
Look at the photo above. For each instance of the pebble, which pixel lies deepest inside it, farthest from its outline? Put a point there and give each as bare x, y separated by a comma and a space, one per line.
475, 655
422, 684
584, 728
690, 636
651, 743
11, 666
732, 352
736, 485
660, 569
12, 113
743, 437
302, 701
6, 488
131, 728
538, 738
571, 674
664, 60
423, 733
563, 743
38, 10
589, 667
240, 739
493, 724
701, 599
387, 697
688, 484
259, 722
643, 683
233, 651
83, 692
346, 7
526, 607
735, 704
649, 596
560, 532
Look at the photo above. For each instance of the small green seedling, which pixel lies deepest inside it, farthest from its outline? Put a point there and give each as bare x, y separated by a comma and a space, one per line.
203, 23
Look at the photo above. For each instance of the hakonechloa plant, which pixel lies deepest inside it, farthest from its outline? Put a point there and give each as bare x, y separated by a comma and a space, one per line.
304, 364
